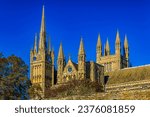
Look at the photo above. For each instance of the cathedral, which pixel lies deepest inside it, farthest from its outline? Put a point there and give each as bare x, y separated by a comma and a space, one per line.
42, 68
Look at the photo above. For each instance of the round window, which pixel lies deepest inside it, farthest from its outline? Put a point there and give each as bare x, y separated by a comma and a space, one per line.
69, 69
34, 58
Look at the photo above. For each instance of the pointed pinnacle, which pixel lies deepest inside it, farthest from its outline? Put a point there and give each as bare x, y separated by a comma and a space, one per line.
60, 53
107, 45
81, 48
35, 43
125, 42
117, 37
99, 41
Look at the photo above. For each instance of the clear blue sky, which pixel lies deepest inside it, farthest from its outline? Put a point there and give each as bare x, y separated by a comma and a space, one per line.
68, 20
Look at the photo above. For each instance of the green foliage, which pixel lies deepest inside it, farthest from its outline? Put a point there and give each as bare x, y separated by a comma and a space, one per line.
74, 88
14, 82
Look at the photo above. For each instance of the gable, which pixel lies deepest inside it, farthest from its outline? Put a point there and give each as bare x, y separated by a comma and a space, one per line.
70, 68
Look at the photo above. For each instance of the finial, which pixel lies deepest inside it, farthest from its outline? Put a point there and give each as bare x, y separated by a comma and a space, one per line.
35, 43
81, 48
117, 37
117, 33
99, 41
107, 45
60, 53
126, 42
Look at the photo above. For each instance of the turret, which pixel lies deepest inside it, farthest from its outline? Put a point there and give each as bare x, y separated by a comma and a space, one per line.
98, 49
118, 45
60, 64
126, 50
81, 61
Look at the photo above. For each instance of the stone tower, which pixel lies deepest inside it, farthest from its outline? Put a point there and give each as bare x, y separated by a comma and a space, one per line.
126, 50
60, 64
42, 60
81, 61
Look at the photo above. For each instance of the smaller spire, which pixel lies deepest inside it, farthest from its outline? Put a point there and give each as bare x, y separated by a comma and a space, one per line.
107, 47
117, 37
126, 42
35, 43
99, 44
60, 54
81, 48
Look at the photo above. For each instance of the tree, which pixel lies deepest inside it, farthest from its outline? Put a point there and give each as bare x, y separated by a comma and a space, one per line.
14, 82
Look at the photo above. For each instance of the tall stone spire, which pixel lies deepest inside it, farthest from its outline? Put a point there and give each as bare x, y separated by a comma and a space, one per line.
60, 53
42, 43
98, 49
81, 48
43, 21
107, 48
35, 44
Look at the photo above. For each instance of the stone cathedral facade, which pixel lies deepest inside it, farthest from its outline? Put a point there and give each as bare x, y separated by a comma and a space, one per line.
43, 72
